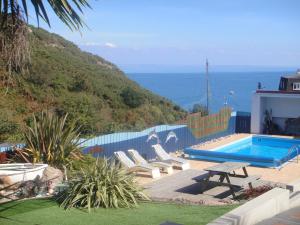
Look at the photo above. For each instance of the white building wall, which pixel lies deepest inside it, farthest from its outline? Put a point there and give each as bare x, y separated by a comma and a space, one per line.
282, 105
255, 114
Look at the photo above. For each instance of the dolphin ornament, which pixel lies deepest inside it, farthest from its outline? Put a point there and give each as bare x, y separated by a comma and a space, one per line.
171, 135
153, 135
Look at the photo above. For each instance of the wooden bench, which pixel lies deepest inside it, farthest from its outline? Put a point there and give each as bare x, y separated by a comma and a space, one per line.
235, 180
225, 174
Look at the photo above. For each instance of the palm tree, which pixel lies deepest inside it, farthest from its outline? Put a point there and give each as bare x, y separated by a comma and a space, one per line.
14, 15
66, 10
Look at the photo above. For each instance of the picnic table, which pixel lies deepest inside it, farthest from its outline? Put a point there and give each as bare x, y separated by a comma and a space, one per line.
225, 174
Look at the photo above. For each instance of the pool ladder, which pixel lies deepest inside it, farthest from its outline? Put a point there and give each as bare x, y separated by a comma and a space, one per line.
294, 147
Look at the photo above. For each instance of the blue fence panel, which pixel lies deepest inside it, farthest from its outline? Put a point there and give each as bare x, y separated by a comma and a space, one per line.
243, 122
9, 146
105, 146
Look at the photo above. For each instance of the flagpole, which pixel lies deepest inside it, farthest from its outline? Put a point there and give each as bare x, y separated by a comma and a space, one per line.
207, 86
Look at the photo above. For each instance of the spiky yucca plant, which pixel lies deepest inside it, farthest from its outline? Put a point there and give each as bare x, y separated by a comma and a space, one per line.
49, 139
105, 184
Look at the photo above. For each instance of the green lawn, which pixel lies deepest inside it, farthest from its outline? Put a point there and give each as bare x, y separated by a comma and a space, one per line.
44, 212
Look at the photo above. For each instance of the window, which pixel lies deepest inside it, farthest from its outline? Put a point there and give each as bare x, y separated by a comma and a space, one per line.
296, 86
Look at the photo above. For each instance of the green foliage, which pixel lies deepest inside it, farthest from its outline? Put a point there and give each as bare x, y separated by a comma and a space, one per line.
103, 184
86, 161
66, 11
49, 139
270, 127
14, 34
65, 79
132, 98
199, 108
80, 83
8, 127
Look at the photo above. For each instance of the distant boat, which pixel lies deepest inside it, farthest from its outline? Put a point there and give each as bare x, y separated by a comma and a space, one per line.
19, 172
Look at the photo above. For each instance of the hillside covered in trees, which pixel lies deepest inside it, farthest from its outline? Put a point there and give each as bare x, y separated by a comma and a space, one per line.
64, 79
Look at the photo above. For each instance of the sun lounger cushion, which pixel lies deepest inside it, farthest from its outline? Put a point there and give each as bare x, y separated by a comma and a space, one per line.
140, 160
164, 156
123, 158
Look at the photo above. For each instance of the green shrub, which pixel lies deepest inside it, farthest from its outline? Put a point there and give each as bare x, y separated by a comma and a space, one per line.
176, 108
80, 83
132, 98
199, 108
103, 184
86, 161
8, 128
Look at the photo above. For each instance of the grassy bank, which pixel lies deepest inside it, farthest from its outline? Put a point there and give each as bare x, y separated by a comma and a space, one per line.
46, 212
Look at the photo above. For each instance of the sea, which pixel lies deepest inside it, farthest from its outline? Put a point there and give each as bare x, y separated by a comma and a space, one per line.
233, 89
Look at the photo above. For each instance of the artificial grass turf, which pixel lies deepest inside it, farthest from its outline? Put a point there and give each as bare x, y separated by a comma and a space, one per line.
47, 212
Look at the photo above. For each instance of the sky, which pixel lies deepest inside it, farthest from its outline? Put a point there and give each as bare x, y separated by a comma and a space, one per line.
175, 35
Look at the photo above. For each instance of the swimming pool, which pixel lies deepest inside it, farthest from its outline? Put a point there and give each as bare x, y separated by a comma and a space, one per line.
262, 151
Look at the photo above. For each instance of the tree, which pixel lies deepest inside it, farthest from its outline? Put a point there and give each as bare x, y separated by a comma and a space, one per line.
14, 47
66, 10
132, 98
199, 108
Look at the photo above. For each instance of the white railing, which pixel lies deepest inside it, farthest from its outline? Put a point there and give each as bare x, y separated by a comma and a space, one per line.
292, 149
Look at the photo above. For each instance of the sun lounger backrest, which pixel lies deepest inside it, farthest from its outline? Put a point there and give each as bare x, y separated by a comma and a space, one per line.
137, 157
123, 158
161, 152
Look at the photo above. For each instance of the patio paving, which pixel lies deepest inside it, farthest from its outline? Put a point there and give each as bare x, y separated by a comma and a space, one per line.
180, 187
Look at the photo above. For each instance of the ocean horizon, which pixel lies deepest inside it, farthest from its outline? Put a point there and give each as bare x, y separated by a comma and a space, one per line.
233, 89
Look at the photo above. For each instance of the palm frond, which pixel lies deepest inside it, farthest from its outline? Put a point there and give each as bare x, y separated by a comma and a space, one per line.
67, 10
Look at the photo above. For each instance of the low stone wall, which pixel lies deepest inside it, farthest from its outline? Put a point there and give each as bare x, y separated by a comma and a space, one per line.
294, 187
263, 207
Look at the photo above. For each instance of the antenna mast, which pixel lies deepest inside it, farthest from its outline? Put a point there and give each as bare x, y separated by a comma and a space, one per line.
207, 86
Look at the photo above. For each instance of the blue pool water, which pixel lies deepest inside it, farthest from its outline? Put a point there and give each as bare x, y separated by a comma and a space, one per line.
257, 150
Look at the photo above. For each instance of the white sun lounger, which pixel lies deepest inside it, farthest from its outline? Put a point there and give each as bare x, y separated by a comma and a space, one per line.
165, 157
132, 167
137, 158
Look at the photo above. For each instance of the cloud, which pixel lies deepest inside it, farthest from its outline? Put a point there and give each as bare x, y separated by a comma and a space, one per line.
91, 44
126, 35
98, 44
110, 45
